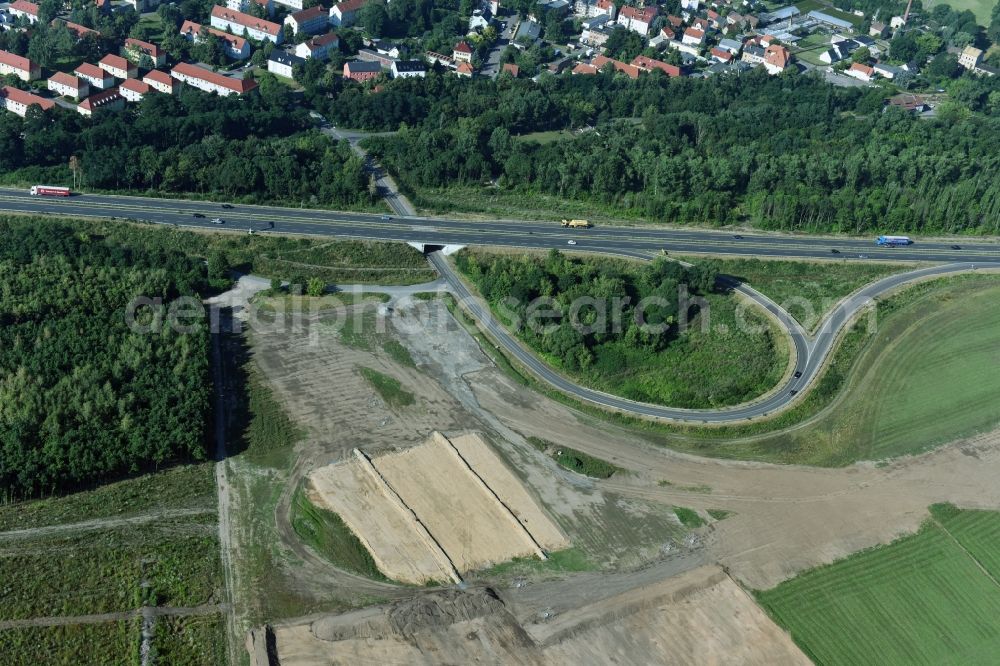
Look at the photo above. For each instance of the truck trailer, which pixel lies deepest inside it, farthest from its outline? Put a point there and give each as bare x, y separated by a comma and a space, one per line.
893, 241
49, 191
576, 224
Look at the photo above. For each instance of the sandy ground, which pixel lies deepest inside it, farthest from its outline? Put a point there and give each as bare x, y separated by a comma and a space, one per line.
699, 617
397, 549
464, 517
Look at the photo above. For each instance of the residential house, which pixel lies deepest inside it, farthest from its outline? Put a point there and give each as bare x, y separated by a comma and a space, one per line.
135, 49
309, 21
690, 5
776, 59
209, 81
675, 22
909, 102
585, 68
79, 31
246, 25
294, 5
839, 50
18, 101
160, 81
408, 69
860, 72
361, 70
462, 52
244, 5
283, 63
970, 57
886, 71
646, 64
631, 71
318, 47
693, 37
237, 48
721, 55
95, 76
439, 59
512, 69
479, 21
878, 29
25, 10
19, 66
594, 22
701, 24
118, 67
465, 70
591, 8
133, 90
346, 13
597, 37
105, 100
753, 54
384, 61
67, 85
143, 6
636, 19
730, 45
528, 32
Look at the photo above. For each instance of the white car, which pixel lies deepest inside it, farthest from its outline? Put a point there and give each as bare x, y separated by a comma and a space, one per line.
218, 221
571, 242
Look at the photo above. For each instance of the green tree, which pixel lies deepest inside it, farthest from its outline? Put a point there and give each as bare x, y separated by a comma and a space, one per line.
315, 287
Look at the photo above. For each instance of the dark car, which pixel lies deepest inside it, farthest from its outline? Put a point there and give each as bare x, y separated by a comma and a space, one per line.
227, 205
798, 373
198, 215
793, 392
737, 237
956, 247
834, 251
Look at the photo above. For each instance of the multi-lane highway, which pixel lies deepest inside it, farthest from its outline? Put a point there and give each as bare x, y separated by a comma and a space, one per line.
810, 352
544, 234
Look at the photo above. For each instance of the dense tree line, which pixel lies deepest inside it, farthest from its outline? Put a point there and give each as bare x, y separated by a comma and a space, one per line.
82, 397
585, 297
260, 148
788, 152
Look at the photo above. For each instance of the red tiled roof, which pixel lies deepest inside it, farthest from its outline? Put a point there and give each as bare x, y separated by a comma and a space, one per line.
24, 6
323, 40
79, 30
93, 71
309, 14
237, 43
157, 76
721, 54
236, 85
26, 98
100, 99
16, 61
463, 47
135, 86
584, 68
645, 15
118, 62
350, 5
694, 32
465, 68
864, 69
62, 78
246, 20
600, 61
780, 57
512, 68
643, 62
152, 50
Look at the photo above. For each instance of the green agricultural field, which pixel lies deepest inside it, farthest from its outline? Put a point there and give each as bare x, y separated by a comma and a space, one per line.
806, 289
920, 600
977, 531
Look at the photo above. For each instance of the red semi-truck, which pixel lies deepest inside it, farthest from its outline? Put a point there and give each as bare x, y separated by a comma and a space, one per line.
49, 191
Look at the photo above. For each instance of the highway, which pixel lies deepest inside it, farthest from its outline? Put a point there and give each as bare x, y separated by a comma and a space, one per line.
810, 352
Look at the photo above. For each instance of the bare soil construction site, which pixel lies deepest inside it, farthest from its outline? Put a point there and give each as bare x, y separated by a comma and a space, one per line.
449, 487
437, 509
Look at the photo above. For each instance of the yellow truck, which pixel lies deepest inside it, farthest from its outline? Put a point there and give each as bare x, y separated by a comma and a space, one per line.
576, 224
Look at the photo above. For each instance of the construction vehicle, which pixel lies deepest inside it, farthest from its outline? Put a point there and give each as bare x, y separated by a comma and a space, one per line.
576, 224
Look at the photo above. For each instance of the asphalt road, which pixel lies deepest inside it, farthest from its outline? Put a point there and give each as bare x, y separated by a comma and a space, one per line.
545, 234
638, 242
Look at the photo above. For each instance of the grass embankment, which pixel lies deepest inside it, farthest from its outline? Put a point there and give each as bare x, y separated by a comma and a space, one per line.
269, 435
106, 643
689, 517
561, 561
782, 439
292, 259
329, 536
921, 600
575, 461
806, 289
389, 388
725, 355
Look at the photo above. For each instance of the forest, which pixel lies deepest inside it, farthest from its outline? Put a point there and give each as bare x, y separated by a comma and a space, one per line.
83, 398
789, 152
260, 148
